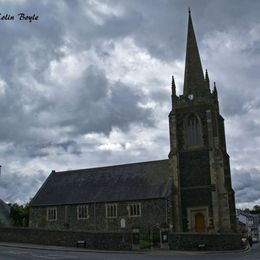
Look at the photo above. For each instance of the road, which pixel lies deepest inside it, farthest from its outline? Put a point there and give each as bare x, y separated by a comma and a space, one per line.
14, 253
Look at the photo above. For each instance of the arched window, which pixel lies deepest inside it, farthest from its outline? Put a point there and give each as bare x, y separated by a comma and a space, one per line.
193, 131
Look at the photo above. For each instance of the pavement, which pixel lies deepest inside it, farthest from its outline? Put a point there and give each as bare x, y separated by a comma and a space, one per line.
62, 248
150, 251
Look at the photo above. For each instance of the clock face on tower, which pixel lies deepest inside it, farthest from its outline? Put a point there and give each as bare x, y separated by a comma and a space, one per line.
190, 96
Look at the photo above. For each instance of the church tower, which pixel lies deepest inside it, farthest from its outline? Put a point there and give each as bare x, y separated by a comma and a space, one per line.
203, 198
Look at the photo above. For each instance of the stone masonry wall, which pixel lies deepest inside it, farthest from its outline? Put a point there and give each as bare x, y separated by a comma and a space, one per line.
117, 240
97, 240
182, 241
153, 213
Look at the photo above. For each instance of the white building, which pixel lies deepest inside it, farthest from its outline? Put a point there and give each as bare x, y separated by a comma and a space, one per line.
251, 221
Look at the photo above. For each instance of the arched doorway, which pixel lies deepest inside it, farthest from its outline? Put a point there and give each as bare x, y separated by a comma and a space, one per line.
199, 222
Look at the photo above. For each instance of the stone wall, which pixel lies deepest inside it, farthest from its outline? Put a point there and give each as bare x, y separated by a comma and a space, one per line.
117, 240
196, 190
97, 240
205, 242
154, 212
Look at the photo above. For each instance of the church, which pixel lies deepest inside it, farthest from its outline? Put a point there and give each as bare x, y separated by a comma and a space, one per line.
190, 191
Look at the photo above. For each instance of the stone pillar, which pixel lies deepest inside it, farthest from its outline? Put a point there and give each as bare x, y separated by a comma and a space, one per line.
174, 169
213, 175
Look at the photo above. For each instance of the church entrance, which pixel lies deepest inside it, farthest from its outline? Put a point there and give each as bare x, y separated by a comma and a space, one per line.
197, 219
199, 222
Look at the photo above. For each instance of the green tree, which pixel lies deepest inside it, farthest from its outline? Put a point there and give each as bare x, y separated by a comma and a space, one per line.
255, 210
19, 215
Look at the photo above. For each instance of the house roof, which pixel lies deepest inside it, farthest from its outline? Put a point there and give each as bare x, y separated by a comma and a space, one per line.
145, 180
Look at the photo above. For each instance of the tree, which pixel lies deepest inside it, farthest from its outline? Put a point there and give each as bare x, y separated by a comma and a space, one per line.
19, 215
255, 210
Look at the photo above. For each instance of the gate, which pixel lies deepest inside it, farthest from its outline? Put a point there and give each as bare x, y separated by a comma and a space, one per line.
150, 239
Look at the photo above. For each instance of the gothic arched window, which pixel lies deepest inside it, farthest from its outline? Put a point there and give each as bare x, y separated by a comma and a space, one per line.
193, 131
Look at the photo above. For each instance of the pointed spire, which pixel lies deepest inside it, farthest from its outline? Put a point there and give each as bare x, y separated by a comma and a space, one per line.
206, 75
193, 78
215, 95
215, 91
173, 87
174, 97
207, 79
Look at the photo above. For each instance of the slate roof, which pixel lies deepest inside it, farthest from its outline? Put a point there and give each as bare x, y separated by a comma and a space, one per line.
145, 180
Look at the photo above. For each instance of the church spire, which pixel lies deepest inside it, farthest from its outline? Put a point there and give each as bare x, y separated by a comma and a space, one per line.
193, 77
174, 97
207, 79
173, 86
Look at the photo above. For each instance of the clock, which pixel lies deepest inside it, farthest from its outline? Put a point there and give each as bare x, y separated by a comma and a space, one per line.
190, 96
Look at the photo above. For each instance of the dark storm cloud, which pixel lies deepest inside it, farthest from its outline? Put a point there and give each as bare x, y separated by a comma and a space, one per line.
88, 105
40, 117
28, 49
46, 149
20, 38
92, 104
161, 30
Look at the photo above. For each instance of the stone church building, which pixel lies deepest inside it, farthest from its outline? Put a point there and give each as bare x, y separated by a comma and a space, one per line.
188, 192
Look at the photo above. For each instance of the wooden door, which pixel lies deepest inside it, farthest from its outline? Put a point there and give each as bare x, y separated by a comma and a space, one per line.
199, 223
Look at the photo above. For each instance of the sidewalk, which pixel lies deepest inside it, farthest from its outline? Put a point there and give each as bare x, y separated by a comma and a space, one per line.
174, 252
63, 248
148, 252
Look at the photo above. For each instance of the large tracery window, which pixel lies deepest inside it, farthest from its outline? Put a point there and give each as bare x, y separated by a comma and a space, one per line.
193, 131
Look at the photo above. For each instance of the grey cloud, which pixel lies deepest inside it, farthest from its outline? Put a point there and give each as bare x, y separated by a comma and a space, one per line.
91, 104
30, 48
161, 96
161, 31
20, 187
49, 149
246, 183
98, 105
40, 38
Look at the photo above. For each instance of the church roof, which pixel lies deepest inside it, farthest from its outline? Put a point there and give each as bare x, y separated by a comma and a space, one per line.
145, 180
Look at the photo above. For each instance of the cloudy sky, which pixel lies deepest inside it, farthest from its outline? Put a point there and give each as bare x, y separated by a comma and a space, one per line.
88, 84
